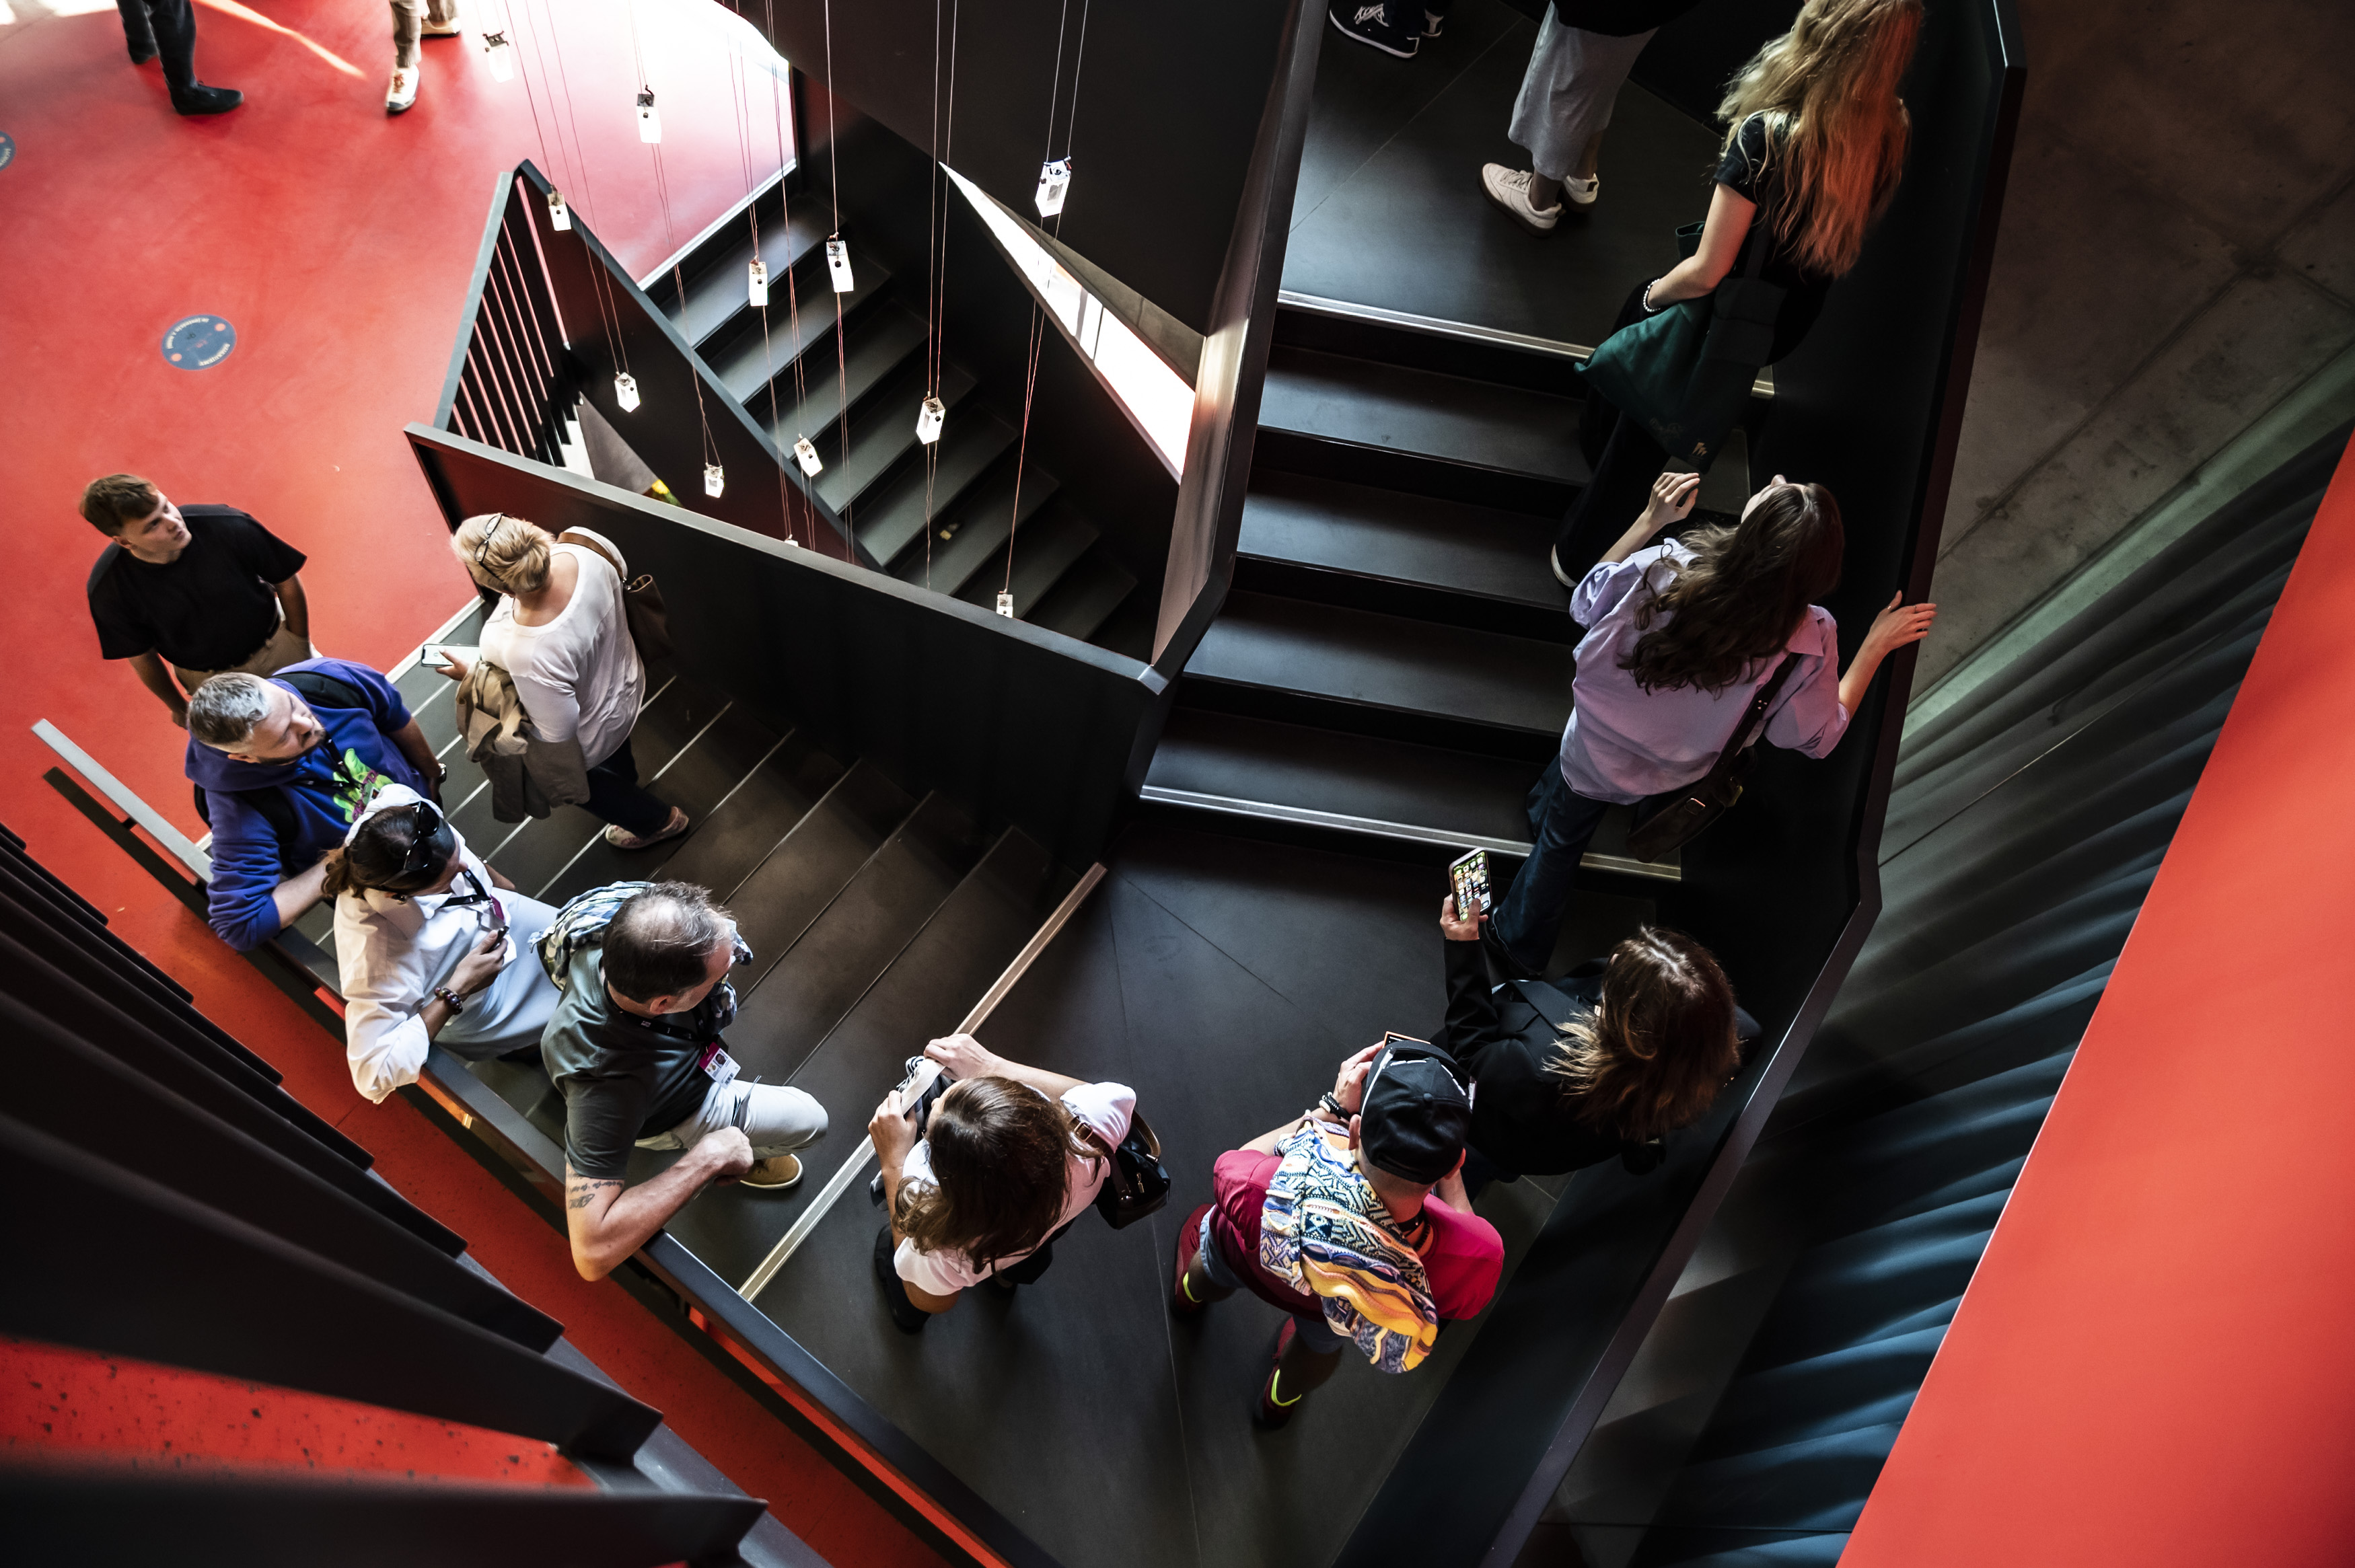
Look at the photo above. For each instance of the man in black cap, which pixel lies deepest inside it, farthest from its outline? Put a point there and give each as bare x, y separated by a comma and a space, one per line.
1353, 1218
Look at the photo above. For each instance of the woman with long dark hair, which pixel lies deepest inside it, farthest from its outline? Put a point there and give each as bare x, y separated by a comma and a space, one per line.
1680, 639
1603, 1064
1006, 1159
1815, 143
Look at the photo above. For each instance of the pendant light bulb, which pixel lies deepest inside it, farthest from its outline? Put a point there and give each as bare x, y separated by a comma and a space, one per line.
501, 55
649, 122
714, 480
929, 419
838, 264
1054, 184
560, 216
756, 285
625, 392
806, 455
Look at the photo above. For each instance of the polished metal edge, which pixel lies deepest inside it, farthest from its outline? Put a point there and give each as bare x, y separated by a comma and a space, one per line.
175, 842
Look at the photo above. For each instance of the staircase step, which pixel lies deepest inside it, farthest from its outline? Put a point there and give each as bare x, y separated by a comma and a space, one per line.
1421, 343
1371, 674
875, 915
812, 863
1043, 549
882, 434
892, 521
1403, 555
532, 854
715, 282
696, 780
762, 809
798, 372
1080, 605
1416, 429
977, 526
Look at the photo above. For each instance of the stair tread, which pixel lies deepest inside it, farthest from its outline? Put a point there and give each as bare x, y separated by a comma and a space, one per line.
981, 521
813, 862
759, 810
1336, 399
1044, 548
715, 282
879, 338
892, 520
1090, 592
1386, 661
1359, 776
1455, 547
882, 434
822, 976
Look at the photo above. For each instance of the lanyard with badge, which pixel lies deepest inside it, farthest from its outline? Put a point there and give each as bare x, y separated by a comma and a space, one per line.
717, 1063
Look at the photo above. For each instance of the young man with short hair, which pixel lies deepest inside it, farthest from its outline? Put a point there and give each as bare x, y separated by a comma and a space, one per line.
635, 1048
1353, 1218
285, 771
207, 589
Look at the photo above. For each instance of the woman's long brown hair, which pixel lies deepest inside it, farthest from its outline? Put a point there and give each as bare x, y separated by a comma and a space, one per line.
1661, 1042
999, 1150
1828, 89
1742, 595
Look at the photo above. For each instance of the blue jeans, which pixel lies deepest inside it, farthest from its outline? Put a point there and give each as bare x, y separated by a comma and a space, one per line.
1563, 821
1316, 1336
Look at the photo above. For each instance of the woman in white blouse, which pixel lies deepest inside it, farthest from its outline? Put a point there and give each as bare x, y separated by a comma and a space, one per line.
561, 634
433, 946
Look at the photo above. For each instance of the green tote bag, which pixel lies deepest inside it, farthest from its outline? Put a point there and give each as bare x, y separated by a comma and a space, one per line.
1685, 373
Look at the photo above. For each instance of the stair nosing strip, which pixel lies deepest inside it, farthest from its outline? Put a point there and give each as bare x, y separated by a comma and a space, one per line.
1463, 331
1480, 723
1374, 826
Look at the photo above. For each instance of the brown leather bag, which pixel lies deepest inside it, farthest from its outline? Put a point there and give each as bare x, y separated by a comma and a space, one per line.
1699, 804
641, 602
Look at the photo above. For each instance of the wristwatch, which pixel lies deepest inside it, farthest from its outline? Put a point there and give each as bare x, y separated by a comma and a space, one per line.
1332, 1103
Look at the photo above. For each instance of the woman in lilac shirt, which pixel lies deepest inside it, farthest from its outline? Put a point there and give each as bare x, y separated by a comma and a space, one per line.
1679, 638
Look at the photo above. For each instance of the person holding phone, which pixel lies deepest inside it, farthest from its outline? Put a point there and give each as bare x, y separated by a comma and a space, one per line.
1681, 636
427, 940
1605, 1063
1353, 1218
1006, 1159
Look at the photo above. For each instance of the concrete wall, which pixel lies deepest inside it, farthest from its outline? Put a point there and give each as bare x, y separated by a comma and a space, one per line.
2177, 257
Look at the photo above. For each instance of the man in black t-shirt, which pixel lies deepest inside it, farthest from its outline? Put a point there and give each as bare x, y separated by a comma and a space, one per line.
207, 589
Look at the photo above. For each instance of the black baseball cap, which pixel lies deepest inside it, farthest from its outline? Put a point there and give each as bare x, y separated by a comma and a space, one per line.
1417, 1112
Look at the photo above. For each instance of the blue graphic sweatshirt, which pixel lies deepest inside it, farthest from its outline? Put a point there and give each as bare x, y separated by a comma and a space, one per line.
249, 862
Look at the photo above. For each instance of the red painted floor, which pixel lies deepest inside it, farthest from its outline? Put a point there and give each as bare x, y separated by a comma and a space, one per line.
338, 243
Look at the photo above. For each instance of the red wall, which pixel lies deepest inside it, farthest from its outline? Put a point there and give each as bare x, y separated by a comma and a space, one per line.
2155, 1364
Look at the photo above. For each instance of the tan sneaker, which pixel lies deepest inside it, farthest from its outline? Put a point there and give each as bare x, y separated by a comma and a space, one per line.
1509, 188
621, 839
774, 1174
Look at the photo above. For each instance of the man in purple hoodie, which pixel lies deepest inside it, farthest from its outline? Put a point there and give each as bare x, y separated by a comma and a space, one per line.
283, 766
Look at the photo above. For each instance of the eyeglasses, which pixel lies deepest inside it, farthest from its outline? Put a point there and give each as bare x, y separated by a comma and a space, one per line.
490, 531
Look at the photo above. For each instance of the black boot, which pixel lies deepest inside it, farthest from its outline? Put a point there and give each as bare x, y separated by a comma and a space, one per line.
906, 1315
202, 99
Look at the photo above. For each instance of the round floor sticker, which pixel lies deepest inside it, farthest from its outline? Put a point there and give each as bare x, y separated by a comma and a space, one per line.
199, 343
7, 150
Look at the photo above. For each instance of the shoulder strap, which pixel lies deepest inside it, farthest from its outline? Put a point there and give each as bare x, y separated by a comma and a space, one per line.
594, 548
322, 687
1737, 743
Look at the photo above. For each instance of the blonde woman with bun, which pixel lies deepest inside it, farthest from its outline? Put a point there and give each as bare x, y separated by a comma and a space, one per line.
1815, 143
560, 632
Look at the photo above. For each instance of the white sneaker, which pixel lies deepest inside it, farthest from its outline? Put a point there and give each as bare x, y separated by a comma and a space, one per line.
1582, 193
1509, 188
1432, 22
403, 92
449, 30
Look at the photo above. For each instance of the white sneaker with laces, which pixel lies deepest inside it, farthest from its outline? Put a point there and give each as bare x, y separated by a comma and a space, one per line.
1509, 188
449, 30
403, 92
1582, 193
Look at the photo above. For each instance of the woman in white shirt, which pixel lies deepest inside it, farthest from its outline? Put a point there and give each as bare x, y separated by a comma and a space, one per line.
432, 946
1008, 1158
560, 632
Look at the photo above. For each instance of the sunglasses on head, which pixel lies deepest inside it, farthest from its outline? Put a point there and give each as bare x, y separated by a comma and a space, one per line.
490, 531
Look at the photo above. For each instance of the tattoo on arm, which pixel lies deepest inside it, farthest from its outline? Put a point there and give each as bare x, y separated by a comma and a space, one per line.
582, 1191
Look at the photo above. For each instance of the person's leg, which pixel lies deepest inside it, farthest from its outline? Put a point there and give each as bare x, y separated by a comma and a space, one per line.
138, 37
1529, 916
1612, 498
440, 18
1204, 1275
777, 1119
616, 797
408, 22
172, 26
1307, 1352
906, 1315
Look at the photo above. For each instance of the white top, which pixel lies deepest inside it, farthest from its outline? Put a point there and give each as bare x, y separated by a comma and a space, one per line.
1103, 1109
393, 951
579, 676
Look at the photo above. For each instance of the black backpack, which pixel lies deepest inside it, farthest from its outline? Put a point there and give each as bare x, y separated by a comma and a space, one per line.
271, 800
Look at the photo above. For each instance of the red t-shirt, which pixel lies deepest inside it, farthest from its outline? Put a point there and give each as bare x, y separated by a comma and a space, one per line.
1464, 1254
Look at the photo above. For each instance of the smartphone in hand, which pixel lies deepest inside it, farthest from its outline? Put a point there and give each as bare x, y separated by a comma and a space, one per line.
1469, 878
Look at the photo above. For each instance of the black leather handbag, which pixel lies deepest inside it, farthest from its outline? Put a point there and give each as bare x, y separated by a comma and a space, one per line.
1139, 1185
1698, 805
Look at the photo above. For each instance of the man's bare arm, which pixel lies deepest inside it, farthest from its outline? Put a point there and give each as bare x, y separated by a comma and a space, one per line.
149, 668
607, 1220
298, 892
295, 607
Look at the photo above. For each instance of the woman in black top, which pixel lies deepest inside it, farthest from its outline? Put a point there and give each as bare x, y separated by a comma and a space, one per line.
1603, 1065
1815, 143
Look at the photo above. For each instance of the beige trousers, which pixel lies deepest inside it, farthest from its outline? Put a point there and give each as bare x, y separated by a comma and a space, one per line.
282, 649
408, 20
